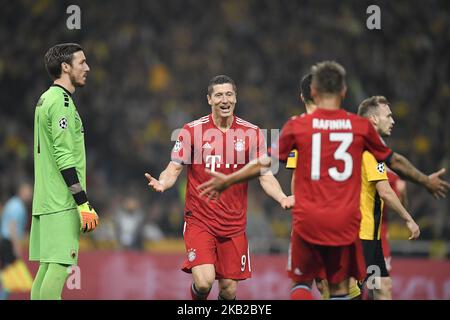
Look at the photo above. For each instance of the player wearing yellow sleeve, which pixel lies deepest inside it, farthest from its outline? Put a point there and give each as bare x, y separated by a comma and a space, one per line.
371, 204
376, 110
371, 207
381, 118
375, 191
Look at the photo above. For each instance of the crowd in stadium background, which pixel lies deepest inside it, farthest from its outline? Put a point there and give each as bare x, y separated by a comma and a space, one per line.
150, 65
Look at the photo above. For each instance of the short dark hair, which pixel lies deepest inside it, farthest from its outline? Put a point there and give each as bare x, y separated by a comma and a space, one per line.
220, 79
370, 105
58, 54
328, 77
305, 88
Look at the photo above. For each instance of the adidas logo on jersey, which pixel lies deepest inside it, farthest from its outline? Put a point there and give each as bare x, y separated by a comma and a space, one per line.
297, 272
206, 146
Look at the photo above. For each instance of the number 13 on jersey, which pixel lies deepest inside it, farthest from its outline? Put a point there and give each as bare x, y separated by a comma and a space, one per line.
345, 138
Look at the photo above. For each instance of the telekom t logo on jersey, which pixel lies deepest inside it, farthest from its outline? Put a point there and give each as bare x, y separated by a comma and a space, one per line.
213, 162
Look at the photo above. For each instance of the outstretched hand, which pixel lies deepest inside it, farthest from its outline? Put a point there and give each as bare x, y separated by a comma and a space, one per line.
438, 187
214, 186
154, 183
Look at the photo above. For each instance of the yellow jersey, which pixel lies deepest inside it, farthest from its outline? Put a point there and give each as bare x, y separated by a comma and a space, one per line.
371, 204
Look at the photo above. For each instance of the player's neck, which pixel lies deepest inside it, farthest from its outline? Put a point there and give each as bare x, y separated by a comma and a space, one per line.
332, 103
310, 108
223, 123
66, 84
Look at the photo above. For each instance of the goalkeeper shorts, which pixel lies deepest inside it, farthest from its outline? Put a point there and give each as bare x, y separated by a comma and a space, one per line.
55, 237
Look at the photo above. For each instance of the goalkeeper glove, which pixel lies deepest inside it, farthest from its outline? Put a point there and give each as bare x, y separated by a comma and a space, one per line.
88, 217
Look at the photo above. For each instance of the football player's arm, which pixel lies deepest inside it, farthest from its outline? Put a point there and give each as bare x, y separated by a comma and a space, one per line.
63, 131
437, 187
273, 189
292, 164
390, 198
220, 181
402, 191
181, 154
167, 178
293, 183
433, 183
253, 169
88, 216
292, 197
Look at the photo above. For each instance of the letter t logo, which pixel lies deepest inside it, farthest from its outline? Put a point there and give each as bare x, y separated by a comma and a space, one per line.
212, 164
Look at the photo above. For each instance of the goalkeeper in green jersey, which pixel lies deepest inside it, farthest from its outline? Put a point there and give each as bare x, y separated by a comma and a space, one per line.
61, 210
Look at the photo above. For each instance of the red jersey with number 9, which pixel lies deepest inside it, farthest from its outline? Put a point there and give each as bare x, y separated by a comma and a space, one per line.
330, 145
202, 146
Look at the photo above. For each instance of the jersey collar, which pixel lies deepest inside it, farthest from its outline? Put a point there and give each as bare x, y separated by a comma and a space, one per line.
233, 124
329, 112
67, 91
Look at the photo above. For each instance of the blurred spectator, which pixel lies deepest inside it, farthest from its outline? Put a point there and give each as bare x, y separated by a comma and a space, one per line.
129, 220
152, 230
13, 230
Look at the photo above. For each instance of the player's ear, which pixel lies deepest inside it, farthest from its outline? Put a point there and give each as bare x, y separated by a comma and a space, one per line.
208, 97
373, 118
65, 67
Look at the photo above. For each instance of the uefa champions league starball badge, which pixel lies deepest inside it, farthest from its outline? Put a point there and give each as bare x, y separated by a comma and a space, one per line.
177, 146
63, 123
380, 167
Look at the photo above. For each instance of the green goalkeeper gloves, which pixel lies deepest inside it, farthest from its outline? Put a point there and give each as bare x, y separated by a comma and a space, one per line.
88, 217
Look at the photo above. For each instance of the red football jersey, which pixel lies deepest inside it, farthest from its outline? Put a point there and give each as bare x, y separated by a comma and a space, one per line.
202, 146
328, 173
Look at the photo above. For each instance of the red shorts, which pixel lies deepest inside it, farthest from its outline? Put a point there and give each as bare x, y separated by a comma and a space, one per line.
230, 256
308, 261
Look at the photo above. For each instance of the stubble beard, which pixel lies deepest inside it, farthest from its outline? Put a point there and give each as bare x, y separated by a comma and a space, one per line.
76, 83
